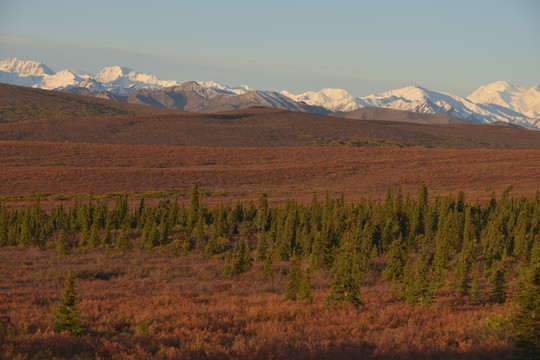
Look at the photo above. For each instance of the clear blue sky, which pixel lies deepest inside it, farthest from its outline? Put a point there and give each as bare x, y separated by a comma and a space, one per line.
361, 46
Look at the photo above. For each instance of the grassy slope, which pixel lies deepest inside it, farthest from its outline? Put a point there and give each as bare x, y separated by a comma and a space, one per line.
29, 167
256, 127
19, 103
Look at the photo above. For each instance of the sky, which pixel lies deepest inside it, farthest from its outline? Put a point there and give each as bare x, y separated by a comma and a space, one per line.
363, 47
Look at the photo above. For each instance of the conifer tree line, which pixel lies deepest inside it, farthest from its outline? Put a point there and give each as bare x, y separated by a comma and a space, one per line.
427, 242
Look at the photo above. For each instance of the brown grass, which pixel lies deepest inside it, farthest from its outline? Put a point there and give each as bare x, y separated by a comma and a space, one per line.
259, 127
137, 305
19, 103
30, 167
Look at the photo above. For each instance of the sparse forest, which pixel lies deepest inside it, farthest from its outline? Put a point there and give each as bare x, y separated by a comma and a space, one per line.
395, 278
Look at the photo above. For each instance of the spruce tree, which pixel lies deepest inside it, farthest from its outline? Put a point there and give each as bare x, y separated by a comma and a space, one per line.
61, 244
227, 270
262, 247
498, 284
106, 237
242, 259
193, 214
346, 285
66, 312
474, 293
294, 280
464, 268
268, 268
528, 319
186, 245
396, 260
122, 242
212, 247
416, 288
93, 239
304, 293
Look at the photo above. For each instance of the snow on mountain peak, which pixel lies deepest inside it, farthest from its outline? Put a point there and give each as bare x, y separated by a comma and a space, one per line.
112, 73
242, 89
329, 98
124, 79
24, 67
498, 101
516, 98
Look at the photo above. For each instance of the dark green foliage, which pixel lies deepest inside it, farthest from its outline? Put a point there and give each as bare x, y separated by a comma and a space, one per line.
122, 242
528, 319
61, 244
241, 260
268, 268
66, 312
474, 293
262, 247
498, 285
294, 280
212, 247
416, 288
347, 279
396, 261
475, 247
304, 293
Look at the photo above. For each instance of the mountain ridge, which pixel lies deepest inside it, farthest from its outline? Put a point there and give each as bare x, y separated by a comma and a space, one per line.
498, 102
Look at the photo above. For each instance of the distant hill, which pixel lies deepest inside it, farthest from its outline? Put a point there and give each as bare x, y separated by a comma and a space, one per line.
375, 113
263, 127
19, 103
193, 96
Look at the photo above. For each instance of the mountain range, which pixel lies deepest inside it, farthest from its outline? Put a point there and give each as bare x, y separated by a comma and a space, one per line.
498, 102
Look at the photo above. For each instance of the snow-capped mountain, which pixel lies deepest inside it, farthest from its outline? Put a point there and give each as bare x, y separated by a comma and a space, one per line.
421, 100
519, 99
24, 67
21, 72
114, 78
123, 79
331, 99
242, 89
496, 102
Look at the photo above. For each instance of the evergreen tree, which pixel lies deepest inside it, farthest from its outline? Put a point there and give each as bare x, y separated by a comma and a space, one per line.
464, 267
242, 259
93, 239
193, 214
186, 245
262, 248
61, 244
304, 293
528, 319
268, 268
227, 270
25, 237
106, 237
212, 247
346, 285
294, 280
122, 242
164, 231
474, 293
417, 289
397, 259
498, 284
66, 312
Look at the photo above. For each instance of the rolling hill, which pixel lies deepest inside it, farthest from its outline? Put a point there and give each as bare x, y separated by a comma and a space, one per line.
19, 103
375, 113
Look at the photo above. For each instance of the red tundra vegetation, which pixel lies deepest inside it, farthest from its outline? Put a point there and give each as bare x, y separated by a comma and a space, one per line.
139, 305
51, 168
